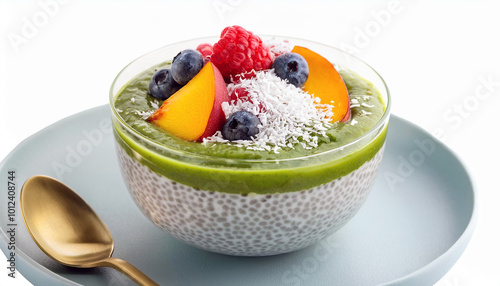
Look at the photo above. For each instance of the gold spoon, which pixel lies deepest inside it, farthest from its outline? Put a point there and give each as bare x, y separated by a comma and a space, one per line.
68, 230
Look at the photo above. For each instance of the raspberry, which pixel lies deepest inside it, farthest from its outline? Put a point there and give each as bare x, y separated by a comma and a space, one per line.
242, 94
205, 49
239, 52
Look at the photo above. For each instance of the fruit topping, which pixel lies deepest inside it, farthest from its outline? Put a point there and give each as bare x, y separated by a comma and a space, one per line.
239, 93
240, 53
288, 115
347, 116
278, 46
195, 112
162, 85
325, 83
241, 125
291, 67
186, 65
205, 49
275, 98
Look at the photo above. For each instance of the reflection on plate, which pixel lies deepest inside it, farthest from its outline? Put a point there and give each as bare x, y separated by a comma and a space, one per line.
414, 226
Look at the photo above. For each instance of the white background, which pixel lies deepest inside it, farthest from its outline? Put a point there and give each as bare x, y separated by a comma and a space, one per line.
59, 58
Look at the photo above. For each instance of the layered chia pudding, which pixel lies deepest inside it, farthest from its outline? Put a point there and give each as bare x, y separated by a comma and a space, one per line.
249, 145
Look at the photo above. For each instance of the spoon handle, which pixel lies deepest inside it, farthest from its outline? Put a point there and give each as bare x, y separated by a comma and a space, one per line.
128, 269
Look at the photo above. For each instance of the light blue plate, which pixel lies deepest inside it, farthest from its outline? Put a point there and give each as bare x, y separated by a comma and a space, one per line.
414, 226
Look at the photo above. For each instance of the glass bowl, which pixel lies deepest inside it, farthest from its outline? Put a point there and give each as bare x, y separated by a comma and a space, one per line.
248, 207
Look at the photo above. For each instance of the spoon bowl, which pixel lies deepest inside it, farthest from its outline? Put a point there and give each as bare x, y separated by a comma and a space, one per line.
64, 226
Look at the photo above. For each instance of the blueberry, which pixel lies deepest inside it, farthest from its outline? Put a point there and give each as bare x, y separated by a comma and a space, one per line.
186, 65
292, 67
162, 85
241, 125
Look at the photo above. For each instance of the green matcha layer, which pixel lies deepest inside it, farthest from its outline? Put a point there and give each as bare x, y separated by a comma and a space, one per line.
227, 168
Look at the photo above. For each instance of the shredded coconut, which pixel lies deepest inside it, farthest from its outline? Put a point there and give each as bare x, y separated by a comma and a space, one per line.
155, 104
144, 114
367, 105
287, 114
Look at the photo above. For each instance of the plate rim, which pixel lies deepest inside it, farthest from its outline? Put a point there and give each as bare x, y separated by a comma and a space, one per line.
454, 252
462, 242
42, 270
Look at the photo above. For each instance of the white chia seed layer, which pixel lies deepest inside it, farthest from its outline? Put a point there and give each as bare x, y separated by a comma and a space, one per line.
252, 225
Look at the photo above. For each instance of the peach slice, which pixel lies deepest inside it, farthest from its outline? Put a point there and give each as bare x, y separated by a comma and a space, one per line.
217, 117
325, 82
194, 111
347, 115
